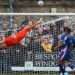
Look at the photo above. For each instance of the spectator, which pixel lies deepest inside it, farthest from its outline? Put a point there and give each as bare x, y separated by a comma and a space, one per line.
6, 30
47, 45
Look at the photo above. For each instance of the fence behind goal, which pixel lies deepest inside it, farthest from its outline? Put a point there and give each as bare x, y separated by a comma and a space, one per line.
32, 59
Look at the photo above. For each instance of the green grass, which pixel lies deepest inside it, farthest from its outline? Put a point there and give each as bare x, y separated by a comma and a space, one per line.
33, 73
27, 74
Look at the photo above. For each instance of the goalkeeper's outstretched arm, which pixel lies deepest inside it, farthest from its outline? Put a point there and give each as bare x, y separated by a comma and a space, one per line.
17, 37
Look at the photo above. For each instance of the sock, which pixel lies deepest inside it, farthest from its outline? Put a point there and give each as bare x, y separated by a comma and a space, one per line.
66, 73
62, 69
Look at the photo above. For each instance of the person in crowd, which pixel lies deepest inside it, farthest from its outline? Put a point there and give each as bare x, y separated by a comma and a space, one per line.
47, 44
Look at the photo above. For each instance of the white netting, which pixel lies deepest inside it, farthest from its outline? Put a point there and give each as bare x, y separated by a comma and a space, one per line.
32, 57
